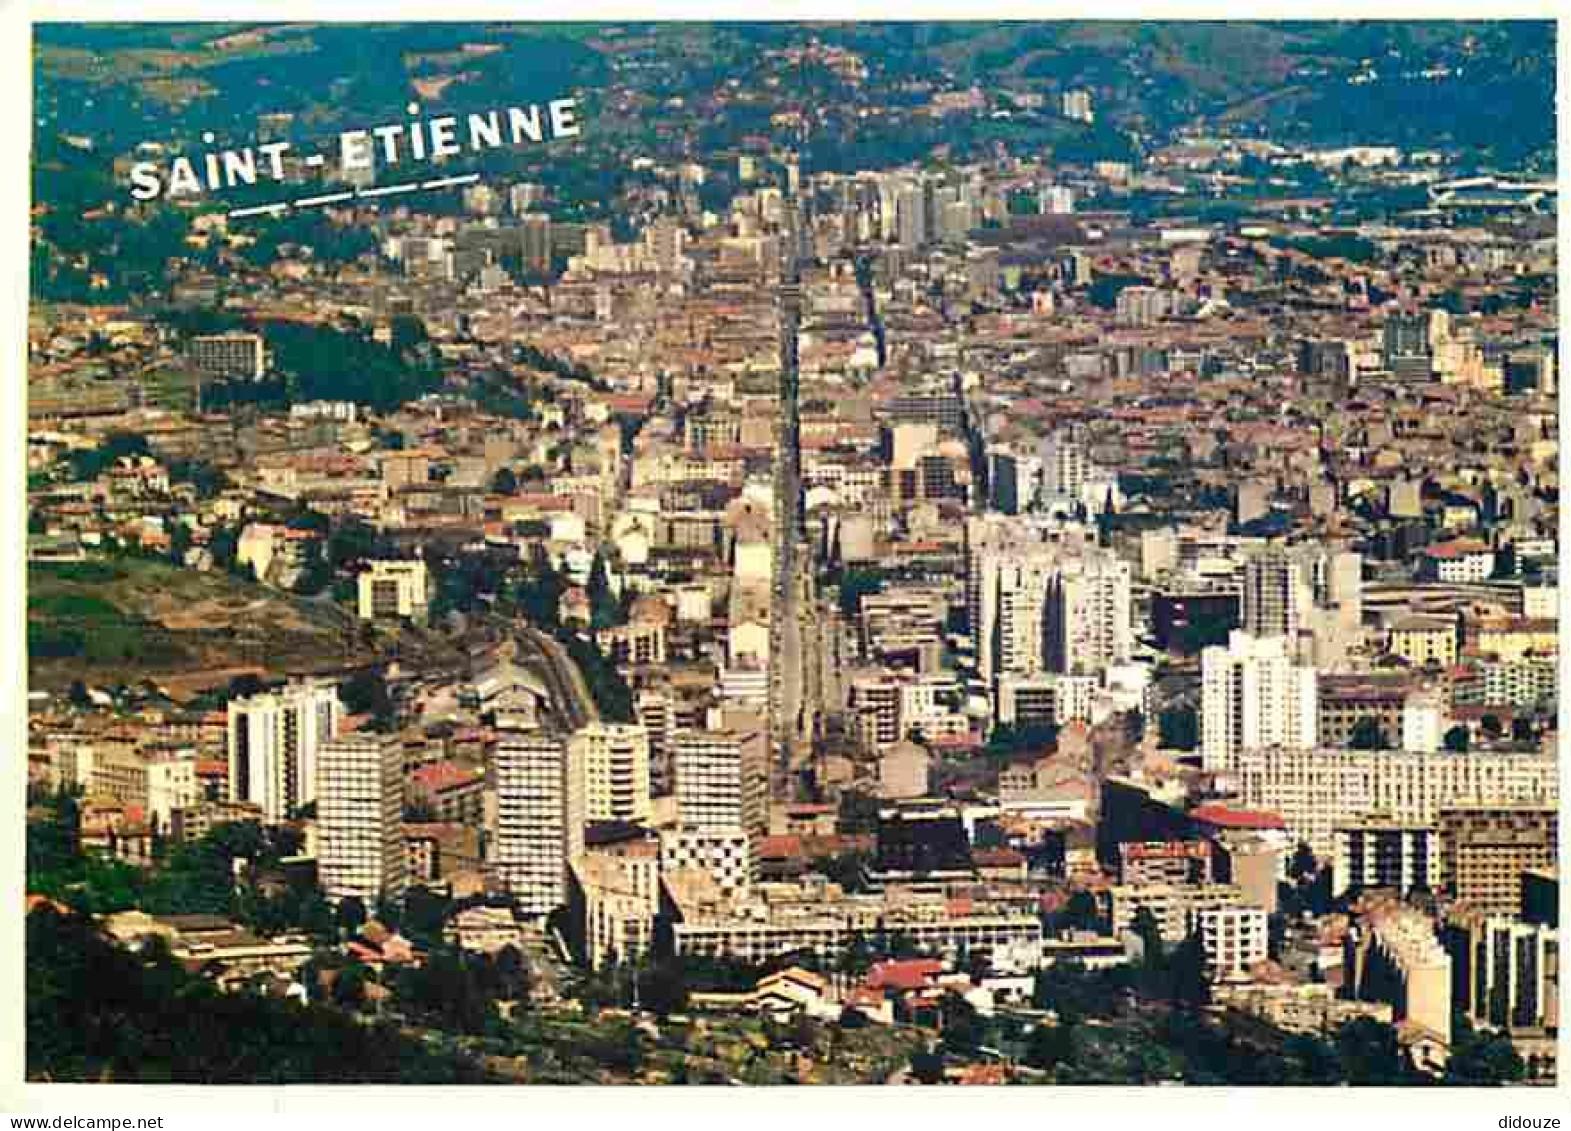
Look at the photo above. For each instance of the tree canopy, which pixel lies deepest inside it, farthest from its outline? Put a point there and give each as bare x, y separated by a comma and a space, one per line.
100, 1013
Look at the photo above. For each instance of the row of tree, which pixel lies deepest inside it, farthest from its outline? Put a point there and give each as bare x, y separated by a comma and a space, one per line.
98, 1013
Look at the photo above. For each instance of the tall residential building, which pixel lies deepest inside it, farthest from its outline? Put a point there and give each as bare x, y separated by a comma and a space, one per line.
1327, 602
1005, 477
614, 761
1484, 849
665, 240
1010, 628
1377, 852
1039, 606
229, 355
930, 207
1014, 478
1002, 560
875, 705
1506, 973
1233, 938
910, 217
1086, 615
1252, 694
655, 710
539, 822
725, 855
956, 218
1315, 791
722, 779
1071, 481
613, 900
1273, 595
1335, 579
1348, 700
887, 210
1404, 498
1142, 306
1405, 336
273, 742
360, 814
1066, 463
1328, 360
1392, 955
537, 249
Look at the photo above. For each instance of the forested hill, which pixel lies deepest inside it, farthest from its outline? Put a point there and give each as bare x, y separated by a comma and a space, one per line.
1428, 83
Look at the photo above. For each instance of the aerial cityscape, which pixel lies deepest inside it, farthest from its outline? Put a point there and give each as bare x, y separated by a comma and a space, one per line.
927, 554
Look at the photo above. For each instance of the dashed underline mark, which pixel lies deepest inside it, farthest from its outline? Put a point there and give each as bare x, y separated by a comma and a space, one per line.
259, 210
358, 194
330, 198
444, 182
389, 190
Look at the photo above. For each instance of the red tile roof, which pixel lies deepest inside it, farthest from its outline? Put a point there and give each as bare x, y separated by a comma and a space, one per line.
779, 847
1224, 818
443, 775
997, 858
628, 402
985, 1075
904, 973
1457, 549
